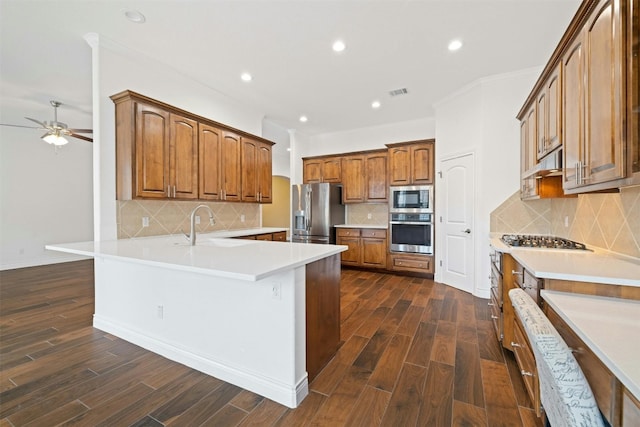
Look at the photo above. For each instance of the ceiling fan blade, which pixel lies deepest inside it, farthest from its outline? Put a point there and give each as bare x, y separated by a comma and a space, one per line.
80, 130
20, 126
35, 121
75, 135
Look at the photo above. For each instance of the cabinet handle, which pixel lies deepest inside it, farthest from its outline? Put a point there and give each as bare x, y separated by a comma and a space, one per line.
519, 273
490, 304
174, 191
168, 191
515, 344
494, 317
526, 373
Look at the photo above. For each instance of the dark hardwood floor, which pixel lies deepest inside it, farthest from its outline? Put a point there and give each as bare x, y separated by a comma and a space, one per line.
415, 353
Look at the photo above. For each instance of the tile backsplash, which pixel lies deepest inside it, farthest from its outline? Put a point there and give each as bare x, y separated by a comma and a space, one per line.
608, 221
173, 217
359, 213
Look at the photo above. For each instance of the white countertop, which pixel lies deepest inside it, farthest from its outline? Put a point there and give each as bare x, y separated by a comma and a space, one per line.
378, 227
610, 327
595, 266
233, 258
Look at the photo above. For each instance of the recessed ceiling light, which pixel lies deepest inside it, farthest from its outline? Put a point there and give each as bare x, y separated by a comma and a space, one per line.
303, 119
288, 148
338, 46
375, 104
246, 77
455, 45
134, 16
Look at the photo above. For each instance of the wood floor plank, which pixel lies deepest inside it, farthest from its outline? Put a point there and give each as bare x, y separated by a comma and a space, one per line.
328, 379
468, 377
373, 322
404, 405
306, 411
431, 311
246, 400
386, 373
444, 343
266, 414
466, 415
500, 401
104, 410
522, 396
59, 415
229, 415
202, 409
490, 348
370, 408
336, 409
529, 418
410, 321
437, 404
185, 400
420, 350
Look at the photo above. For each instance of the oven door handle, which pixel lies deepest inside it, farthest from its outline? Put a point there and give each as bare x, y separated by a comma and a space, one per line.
411, 223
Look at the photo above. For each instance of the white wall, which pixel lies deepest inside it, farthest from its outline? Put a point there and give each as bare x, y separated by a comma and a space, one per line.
481, 118
44, 197
280, 154
370, 138
121, 69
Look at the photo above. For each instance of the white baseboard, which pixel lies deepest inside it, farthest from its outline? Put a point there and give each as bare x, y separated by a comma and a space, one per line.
288, 395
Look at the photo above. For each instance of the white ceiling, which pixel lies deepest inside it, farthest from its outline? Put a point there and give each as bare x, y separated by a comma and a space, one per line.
286, 46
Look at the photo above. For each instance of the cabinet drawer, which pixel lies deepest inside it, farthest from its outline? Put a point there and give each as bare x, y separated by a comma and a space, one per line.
496, 316
348, 232
411, 263
526, 363
602, 382
373, 232
266, 236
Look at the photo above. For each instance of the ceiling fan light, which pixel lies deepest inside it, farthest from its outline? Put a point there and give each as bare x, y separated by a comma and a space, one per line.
55, 139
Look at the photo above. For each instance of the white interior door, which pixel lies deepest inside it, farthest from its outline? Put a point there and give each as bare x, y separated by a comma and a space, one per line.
457, 222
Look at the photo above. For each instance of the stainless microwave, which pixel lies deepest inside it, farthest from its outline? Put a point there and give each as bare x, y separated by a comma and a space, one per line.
411, 199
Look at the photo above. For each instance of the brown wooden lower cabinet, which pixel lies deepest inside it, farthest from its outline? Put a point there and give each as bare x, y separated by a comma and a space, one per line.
630, 410
367, 247
527, 363
278, 236
605, 386
415, 263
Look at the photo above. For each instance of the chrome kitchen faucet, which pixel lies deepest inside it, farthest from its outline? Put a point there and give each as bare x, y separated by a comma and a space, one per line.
192, 233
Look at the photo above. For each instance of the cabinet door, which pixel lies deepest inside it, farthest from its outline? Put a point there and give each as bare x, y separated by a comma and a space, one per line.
421, 163
311, 171
374, 253
249, 162
353, 179
604, 95
399, 166
210, 146
265, 179
553, 112
352, 255
541, 109
572, 111
183, 159
152, 151
230, 167
332, 170
376, 186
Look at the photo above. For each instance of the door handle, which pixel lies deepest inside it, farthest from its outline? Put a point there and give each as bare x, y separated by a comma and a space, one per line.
468, 231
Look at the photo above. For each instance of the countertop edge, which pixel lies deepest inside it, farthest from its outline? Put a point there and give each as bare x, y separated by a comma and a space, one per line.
376, 226
628, 382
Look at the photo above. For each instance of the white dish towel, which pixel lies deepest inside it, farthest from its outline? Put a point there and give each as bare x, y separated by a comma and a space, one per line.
564, 391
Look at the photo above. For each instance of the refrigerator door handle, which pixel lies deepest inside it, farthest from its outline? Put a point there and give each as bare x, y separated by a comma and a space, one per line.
309, 209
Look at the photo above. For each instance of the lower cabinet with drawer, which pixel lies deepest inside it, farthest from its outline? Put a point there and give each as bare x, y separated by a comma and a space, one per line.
367, 247
415, 263
526, 363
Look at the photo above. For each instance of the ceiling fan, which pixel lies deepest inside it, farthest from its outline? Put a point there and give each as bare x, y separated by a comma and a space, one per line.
55, 130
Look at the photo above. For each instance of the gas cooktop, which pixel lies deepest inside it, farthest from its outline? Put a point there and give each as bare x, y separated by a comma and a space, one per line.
546, 242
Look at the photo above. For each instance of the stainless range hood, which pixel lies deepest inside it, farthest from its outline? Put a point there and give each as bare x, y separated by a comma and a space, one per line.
549, 165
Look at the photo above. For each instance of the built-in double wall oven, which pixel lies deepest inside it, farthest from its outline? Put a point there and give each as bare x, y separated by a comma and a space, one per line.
411, 219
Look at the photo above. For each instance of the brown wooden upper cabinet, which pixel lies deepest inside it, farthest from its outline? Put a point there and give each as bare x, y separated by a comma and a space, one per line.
549, 107
587, 98
353, 169
256, 171
322, 169
411, 162
165, 152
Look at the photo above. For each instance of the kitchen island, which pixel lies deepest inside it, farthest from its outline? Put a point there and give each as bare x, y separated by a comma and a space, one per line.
262, 315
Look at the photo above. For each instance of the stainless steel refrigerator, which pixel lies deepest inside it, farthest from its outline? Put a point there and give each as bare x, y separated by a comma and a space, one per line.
317, 208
